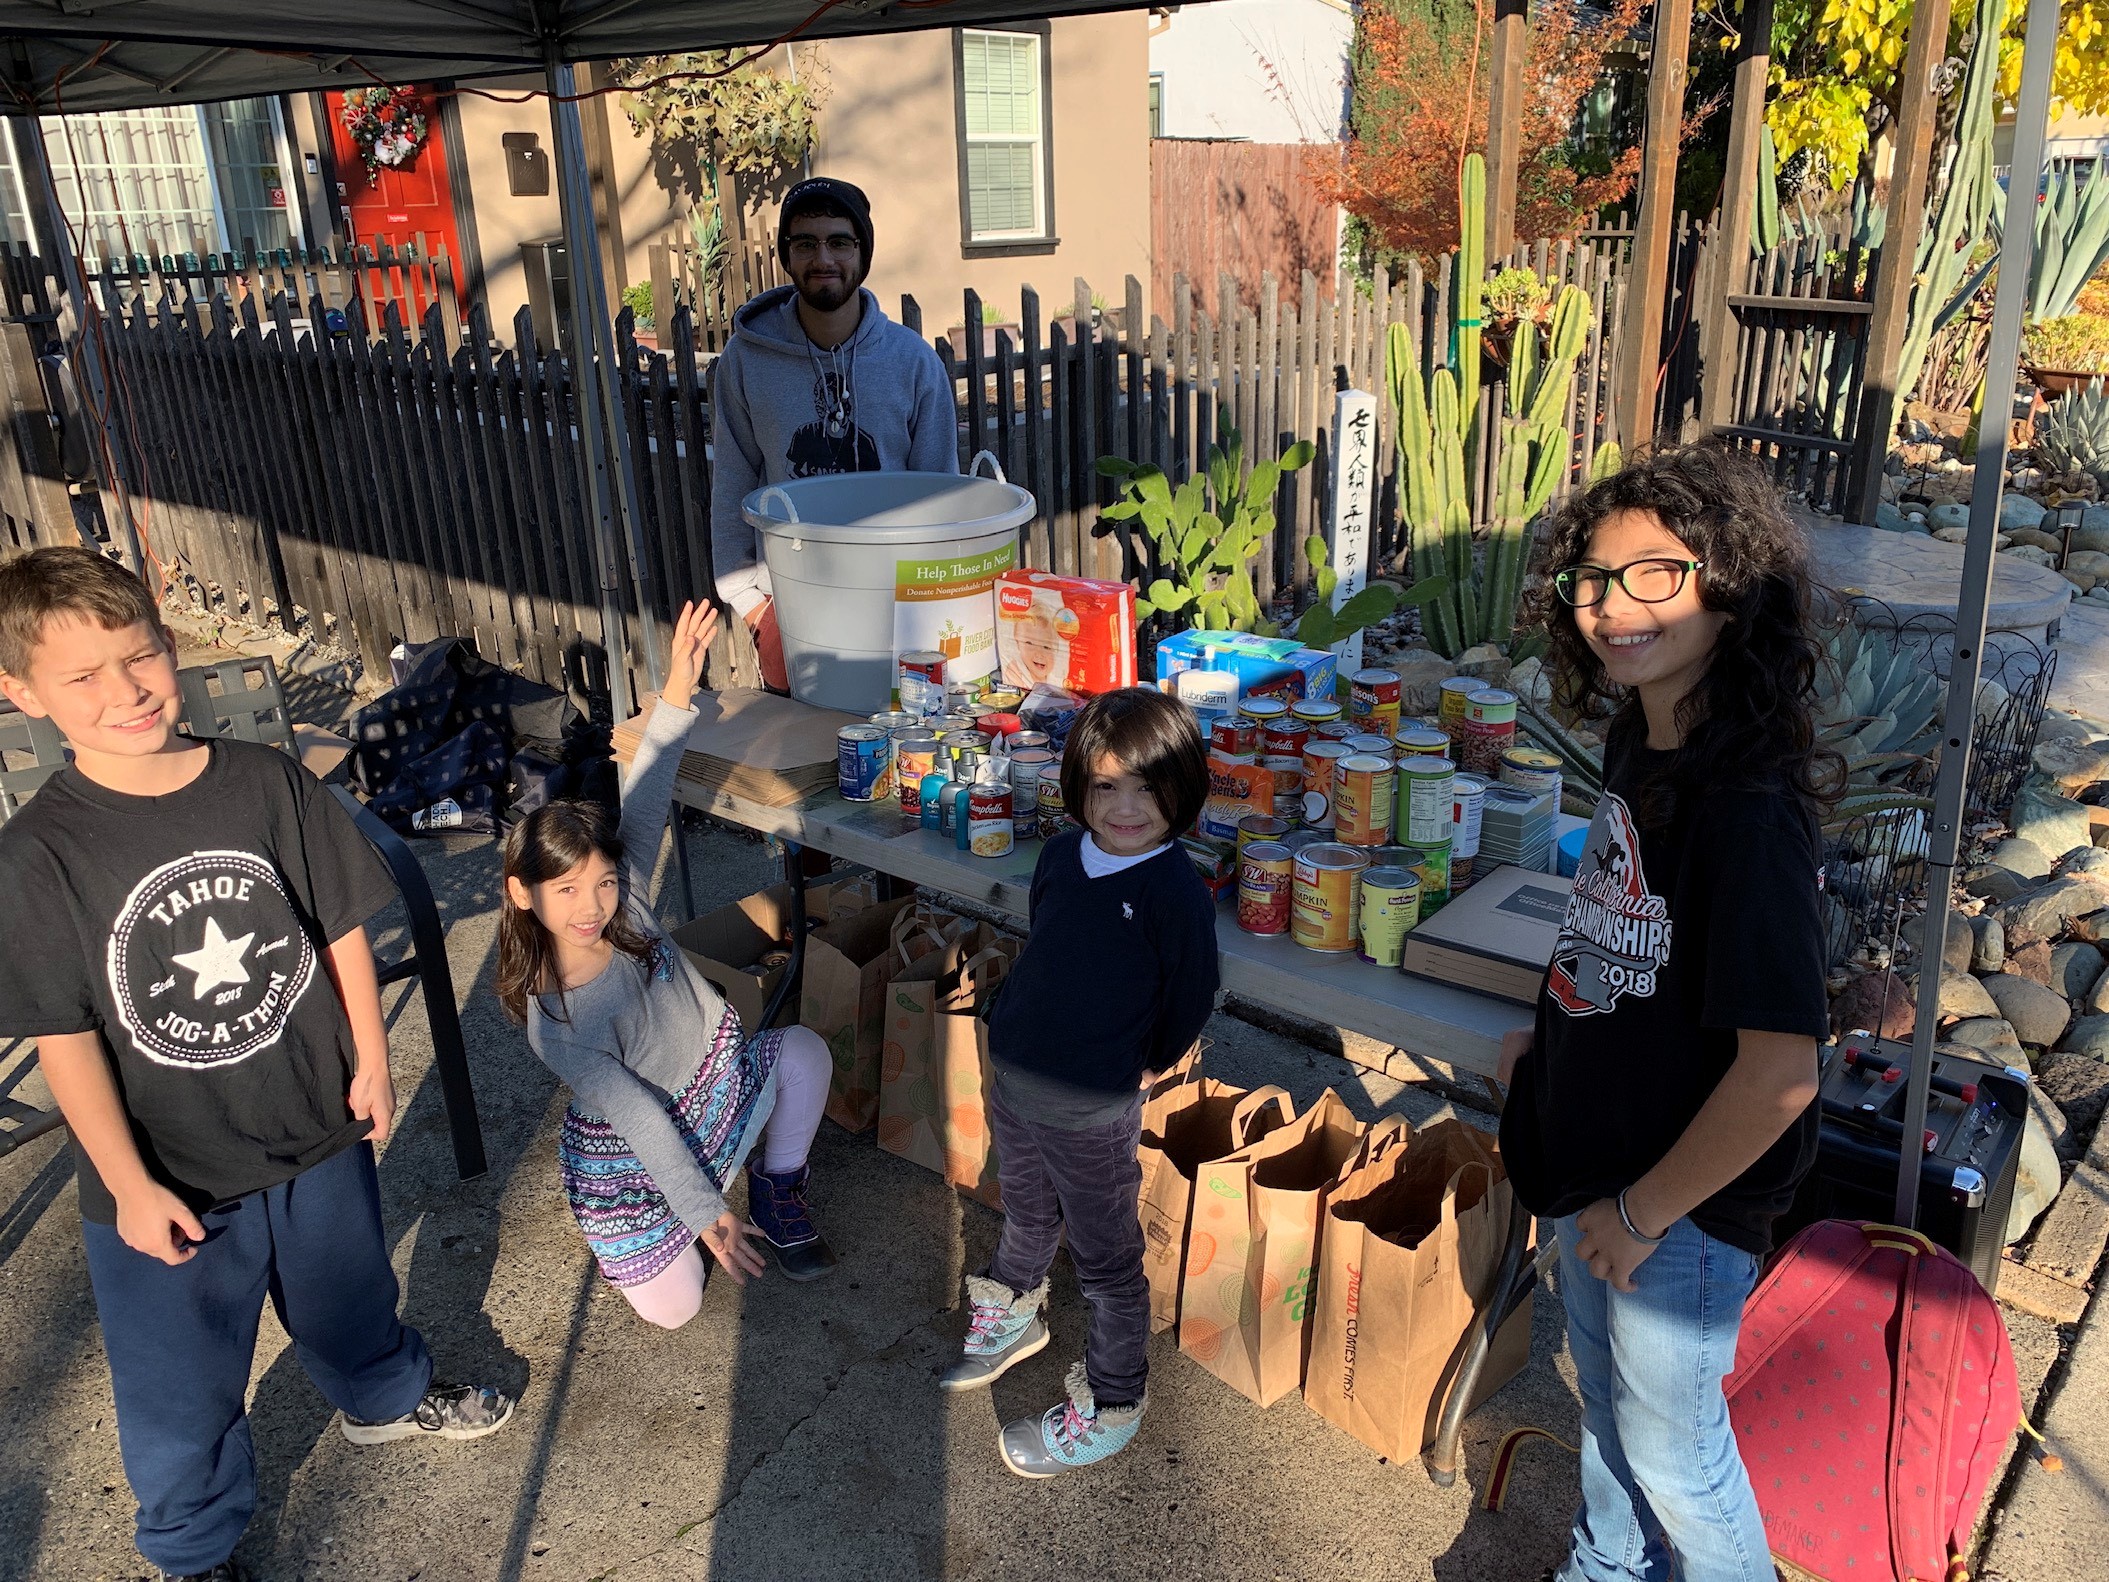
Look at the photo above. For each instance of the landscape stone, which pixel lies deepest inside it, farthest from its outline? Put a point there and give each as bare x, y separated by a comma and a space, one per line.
2052, 823
2024, 857
1892, 520
2030, 961
1421, 674
2079, 1087
2044, 912
2038, 1015
2095, 520
1486, 662
2055, 1126
2065, 727
2081, 582
2075, 968
1861, 1005
1988, 943
1963, 996
2084, 862
2029, 553
1947, 516
1989, 1035
2036, 538
2094, 928
2037, 1180
1528, 680
2074, 765
2089, 1036
2018, 510
1990, 882
1956, 958
2091, 561
1961, 535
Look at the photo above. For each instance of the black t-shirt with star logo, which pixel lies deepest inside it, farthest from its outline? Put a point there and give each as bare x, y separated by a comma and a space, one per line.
188, 930
1676, 937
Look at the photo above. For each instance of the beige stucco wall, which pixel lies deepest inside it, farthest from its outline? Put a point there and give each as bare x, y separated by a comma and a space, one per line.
888, 124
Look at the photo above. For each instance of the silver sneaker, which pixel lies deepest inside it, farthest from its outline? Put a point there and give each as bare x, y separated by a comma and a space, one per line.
1005, 1329
1076, 1434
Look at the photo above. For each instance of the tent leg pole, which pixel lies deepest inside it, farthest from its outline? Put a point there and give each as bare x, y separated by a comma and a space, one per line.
611, 483
2031, 119
87, 341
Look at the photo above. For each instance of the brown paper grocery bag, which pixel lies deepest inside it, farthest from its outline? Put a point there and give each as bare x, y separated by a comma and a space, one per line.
1189, 1120
1412, 1244
961, 1060
1251, 1256
846, 967
934, 1074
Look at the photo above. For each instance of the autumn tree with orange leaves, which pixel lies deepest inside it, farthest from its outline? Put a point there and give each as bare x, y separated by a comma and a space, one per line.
1420, 85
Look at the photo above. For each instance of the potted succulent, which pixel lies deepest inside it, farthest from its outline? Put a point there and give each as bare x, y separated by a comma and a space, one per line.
2063, 354
1513, 296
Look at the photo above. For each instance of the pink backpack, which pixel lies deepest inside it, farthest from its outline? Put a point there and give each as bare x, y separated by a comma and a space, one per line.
1873, 1398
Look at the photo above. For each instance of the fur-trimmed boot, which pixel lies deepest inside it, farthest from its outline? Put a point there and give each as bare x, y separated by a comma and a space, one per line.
1005, 1329
777, 1205
1075, 1434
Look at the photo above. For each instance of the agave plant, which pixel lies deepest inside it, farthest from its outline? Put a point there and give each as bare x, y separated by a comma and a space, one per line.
2073, 433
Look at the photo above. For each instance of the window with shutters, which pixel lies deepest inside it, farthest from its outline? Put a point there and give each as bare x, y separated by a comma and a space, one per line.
1003, 125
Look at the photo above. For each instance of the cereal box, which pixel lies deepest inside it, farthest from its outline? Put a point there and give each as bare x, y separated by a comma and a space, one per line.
1069, 631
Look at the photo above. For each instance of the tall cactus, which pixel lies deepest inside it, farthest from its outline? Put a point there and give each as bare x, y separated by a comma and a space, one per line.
1469, 291
1424, 517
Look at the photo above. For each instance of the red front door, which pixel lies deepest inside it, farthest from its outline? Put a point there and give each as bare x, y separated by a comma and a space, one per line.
397, 204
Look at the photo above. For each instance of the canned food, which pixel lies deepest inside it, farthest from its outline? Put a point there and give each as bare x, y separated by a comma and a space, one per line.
1003, 701
1532, 769
1266, 875
945, 724
989, 830
1432, 864
963, 697
1320, 758
1026, 764
1315, 712
1285, 738
1264, 712
863, 763
1461, 874
1325, 892
1287, 770
919, 682
1421, 741
1023, 741
893, 721
1297, 839
1467, 802
1362, 800
1391, 857
1260, 827
1450, 710
1489, 729
1426, 799
999, 726
914, 757
1373, 701
1391, 905
1335, 730
1053, 817
953, 745
1234, 736
1376, 746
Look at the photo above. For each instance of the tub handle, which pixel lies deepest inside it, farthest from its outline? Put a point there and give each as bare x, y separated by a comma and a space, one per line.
995, 466
776, 492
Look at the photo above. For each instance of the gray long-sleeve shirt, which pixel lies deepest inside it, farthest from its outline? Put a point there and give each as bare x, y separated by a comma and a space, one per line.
782, 408
636, 1035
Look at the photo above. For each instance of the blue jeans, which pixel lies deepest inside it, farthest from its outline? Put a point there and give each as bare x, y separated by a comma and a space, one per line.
180, 1340
1661, 1475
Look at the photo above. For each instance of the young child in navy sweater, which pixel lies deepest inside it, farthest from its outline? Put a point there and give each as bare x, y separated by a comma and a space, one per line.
1115, 982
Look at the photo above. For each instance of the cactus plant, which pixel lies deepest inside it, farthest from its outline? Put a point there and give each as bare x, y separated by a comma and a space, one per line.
2073, 433
1468, 291
1207, 531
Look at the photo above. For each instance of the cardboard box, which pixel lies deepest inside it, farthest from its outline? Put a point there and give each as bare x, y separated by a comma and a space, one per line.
727, 945
1069, 632
322, 752
1497, 938
1276, 667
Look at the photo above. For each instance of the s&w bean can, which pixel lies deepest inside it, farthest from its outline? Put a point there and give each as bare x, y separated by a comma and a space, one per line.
1052, 816
914, 756
1265, 876
863, 763
1325, 894
1391, 905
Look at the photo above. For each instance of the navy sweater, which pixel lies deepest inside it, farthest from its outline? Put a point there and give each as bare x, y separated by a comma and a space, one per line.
1118, 975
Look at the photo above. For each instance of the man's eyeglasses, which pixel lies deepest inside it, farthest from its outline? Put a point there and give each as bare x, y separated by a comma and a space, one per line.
1645, 581
810, 246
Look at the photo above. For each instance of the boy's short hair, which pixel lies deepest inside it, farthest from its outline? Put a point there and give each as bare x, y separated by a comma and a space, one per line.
1151, 736
65, 580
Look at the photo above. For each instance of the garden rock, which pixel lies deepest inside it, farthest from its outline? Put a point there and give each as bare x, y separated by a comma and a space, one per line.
2091, 561
2081, 582
2036, 538
2038, 1015
1421, 675
1988, 1035
2047, 820
2079, 1087
2044, 912
2074, 765
2095, 1002
1990, 882
2037, 1180
2084, 862
1988, 943
1949, 517
1956, 958
2094, 520
1963, 997
2075, 968
1861, 1004
2029, 553
1961, 535
2089, 1036
1486, 662
2024, 857
1892, 520
2055, 1126
2030, 960
1529, 681
2018, 510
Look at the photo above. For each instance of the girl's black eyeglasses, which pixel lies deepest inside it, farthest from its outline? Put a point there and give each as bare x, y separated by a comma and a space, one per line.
1645, 581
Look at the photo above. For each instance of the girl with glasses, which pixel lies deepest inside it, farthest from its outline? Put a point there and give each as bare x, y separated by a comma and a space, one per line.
1662, 1109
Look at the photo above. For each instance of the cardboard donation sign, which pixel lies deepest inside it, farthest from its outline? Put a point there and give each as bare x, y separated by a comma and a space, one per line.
1069, 632
1497, 938
948, 606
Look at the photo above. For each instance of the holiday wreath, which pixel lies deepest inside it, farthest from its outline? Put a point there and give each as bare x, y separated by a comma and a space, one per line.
387, 124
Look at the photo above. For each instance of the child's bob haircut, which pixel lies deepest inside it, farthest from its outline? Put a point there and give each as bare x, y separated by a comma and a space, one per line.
65, 580
1149, 735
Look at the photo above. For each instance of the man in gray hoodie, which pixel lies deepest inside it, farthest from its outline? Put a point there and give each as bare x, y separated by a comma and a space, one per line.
816, 379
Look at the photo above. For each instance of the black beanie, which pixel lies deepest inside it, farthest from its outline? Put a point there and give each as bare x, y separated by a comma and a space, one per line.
817, 193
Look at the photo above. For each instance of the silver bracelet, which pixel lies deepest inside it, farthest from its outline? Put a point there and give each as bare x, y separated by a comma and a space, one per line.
1633, 1230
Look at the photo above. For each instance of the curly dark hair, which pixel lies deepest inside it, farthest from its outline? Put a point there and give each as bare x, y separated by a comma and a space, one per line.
1751, 718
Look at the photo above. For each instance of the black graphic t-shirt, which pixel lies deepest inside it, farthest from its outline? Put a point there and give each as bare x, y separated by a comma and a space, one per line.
1676, 937
188, 931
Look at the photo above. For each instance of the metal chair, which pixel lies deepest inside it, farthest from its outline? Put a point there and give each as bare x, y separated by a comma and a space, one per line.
242, 699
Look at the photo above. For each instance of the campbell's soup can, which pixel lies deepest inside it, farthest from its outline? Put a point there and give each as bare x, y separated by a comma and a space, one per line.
1320, 759
1285, 738
1390, 906
914, 756
1421, 741
989, 832
1467, 802
919, 682
1362, 800
1052, 815
1489, 729
1426, 799
1288, 786
863, 763
1235, 736
1315, 712
1373, 701
1264, 712
1325, 890
1432, 865
1260, 827
1532, 769
1026, 764
1450, 711
1266, 874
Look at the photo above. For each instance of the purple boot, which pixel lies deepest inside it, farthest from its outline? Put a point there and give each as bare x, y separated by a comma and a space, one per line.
777, 1205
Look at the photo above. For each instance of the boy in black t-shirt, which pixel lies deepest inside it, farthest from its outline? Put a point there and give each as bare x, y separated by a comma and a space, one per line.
188, 951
